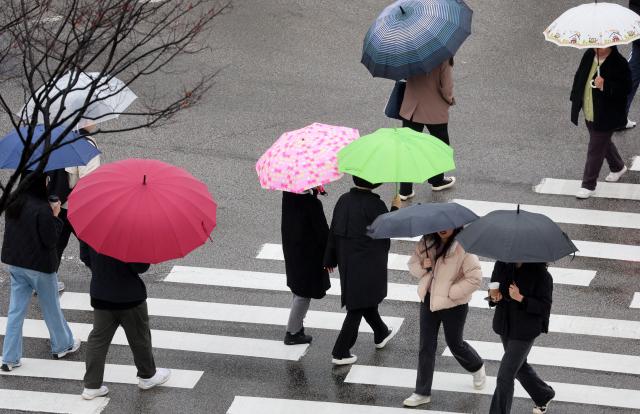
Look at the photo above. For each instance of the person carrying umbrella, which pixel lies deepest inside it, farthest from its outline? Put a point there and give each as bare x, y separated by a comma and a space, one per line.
32, 228
362, 263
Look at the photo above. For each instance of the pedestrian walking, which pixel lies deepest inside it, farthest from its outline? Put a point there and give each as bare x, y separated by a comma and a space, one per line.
634, 66
32, 228
600, 89
362, 263
118, 297
426, 103
448, 277
522, 295
304, 238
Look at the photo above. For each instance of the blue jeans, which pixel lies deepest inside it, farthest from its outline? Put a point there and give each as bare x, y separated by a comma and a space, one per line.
23, 283
634, 66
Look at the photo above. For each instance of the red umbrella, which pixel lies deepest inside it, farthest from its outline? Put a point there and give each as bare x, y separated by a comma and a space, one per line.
142, 211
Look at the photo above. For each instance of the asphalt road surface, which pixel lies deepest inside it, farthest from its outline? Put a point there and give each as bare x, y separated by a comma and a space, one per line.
284, 65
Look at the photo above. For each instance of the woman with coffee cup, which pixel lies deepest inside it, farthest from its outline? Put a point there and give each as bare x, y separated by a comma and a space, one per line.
522, 295
448, 277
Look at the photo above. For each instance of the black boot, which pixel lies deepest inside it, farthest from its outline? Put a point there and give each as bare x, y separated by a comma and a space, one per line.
297, 338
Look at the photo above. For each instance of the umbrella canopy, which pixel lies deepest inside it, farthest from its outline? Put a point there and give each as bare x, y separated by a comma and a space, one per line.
412, 37
304, 158
108, 100
392, 155
516, 236
420, 219
73, 152
142, 211
594, 25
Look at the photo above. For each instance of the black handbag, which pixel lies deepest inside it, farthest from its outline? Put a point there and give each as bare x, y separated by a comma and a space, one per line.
392, 110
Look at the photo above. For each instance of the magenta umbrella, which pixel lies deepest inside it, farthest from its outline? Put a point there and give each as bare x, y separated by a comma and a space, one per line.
142, 211
304, 158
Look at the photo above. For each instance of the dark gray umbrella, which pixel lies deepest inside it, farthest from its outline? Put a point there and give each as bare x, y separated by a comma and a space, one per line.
516, 236
420, 219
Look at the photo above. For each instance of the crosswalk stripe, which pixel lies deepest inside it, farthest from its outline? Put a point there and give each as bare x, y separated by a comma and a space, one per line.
560, 214
226, 312
252, 405
604, 190
50, 402
565, 276
446, 381
635, 302
635, 165
181, 341
71, 370
559, 357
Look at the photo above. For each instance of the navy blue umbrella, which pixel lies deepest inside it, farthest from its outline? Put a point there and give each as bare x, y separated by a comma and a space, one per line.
412, 37
71, 154
516, 236
420, 219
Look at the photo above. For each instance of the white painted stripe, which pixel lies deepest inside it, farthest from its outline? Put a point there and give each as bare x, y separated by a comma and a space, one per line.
560, 357
50, 402
635, 165
560, 214
564, 276
446, 381
253, 405
181, 341
269, 281
71, 370
635, 302
226, 312
603, 190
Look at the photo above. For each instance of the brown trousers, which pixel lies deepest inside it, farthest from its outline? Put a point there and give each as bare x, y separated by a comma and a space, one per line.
601, 147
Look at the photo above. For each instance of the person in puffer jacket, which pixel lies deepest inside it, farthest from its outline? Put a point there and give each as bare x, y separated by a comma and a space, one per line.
448, 277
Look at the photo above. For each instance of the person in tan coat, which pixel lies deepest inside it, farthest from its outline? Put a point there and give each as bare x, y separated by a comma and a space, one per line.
448, 276
426, 102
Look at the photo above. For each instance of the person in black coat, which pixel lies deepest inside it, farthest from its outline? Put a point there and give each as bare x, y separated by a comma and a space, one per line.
523, 305
362, 262
603, 99
304, 237
118, 297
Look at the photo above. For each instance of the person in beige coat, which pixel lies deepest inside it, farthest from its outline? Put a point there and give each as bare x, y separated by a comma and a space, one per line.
448, 277
426, 102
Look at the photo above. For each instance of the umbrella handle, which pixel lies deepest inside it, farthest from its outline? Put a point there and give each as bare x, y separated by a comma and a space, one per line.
593, 84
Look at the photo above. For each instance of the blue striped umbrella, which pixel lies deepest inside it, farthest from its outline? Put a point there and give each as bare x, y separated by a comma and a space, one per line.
412, 37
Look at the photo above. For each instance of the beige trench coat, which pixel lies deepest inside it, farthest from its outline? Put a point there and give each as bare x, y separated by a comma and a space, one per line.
427, 97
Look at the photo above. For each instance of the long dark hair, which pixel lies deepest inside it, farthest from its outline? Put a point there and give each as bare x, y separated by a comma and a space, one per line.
441, 248
36, 187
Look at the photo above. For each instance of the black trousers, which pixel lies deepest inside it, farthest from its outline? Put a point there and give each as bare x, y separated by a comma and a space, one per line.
601, 147
135, 322
439, 131
514, 366
452, 321
349, 332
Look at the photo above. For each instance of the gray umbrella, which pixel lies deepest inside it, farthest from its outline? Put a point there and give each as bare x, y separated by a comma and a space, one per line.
420, 219
516, 236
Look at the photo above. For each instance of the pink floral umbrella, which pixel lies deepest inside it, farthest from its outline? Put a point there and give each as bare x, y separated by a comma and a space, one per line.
304, 158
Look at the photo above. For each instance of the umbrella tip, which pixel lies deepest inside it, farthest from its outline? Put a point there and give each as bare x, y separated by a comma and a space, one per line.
402, 10
518, 210
144, 179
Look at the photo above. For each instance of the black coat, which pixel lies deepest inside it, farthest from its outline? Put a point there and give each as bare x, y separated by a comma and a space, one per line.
361, 260
115, 284
30, 240
527, 319
304, 239
609, 105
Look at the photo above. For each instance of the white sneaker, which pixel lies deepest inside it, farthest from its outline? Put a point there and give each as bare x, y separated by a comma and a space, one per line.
74, 348
344, 361
408, 196
630, 124
448, 182
583, 193
90, 393
615, 176
384, 342
162, 375
10, 367
416, 399
479, 378
60, 286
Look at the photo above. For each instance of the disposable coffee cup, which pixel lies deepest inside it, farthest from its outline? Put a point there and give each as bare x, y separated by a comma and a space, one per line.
494, 285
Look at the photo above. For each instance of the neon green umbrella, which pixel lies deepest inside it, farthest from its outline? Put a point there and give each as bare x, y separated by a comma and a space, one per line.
392, 155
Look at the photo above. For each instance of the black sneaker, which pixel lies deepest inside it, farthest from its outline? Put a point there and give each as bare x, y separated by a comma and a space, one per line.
542, 409
10, 367
297, 338
447, 182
